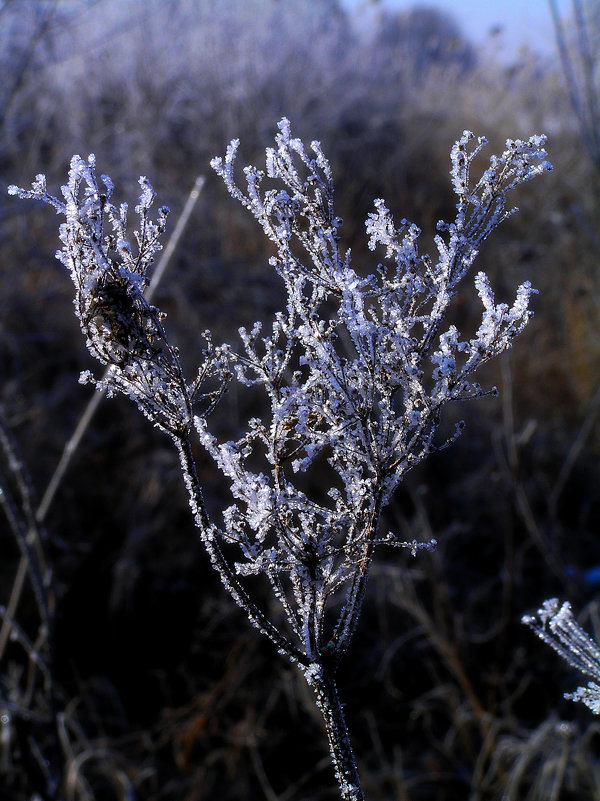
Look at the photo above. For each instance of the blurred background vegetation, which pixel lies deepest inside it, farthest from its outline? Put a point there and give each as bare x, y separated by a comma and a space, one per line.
156, 687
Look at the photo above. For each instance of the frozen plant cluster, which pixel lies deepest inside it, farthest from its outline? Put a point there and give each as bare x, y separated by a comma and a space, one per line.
123, 331
355, 371
556, 626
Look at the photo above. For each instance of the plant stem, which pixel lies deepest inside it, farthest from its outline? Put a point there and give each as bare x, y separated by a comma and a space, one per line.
218, 560
344, 763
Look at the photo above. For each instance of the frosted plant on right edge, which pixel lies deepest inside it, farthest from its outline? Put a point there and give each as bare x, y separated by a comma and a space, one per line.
557, 627
355, 373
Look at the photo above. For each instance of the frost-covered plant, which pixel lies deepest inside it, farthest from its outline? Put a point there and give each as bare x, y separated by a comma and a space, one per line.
557, 627
355, 372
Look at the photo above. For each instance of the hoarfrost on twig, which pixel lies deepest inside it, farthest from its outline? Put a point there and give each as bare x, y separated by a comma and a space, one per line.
556, 626
355, 372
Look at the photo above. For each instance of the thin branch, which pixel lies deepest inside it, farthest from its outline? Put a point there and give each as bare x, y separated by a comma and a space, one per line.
88, 414
72, 444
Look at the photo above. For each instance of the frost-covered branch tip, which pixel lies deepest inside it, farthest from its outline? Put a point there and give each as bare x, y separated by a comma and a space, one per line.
123, 331
556, 626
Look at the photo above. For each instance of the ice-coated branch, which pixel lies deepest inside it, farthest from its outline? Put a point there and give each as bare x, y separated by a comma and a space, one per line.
355, 372
556, 626
123, 331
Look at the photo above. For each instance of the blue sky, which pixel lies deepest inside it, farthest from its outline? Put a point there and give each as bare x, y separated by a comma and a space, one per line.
522, 21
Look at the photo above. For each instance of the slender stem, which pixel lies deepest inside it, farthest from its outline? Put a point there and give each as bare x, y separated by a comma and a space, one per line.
342, 755
90, 410
218, 560
175, 237
348, 618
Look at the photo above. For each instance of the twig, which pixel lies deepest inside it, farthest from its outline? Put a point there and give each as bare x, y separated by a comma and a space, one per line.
90, 410
19, 514
74, 440
587, 118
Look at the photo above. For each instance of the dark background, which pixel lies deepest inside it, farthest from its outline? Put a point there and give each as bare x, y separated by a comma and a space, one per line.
161, 688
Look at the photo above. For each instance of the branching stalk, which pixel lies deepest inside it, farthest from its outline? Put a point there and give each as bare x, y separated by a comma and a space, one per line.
355, 373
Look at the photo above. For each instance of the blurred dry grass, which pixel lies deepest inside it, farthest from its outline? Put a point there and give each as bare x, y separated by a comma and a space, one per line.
164, 693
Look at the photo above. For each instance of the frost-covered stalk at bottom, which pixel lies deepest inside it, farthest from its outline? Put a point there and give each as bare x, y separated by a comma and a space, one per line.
355, 372
342, 755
